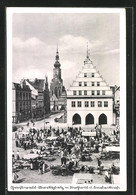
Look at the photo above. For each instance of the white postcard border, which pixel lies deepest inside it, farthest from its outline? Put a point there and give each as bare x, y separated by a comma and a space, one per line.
123, 159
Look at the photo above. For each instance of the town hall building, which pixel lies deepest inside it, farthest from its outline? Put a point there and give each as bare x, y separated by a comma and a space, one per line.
89, 98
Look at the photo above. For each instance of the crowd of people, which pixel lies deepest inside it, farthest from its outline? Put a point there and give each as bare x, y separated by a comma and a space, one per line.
71, 145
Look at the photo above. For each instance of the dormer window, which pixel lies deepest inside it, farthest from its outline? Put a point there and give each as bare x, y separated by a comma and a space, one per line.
103, 92
80, 84
98, 83
85, 74
80, 92
74, 92
93, 93
85, 83
92, 83
85, 92
92, 74
98, 92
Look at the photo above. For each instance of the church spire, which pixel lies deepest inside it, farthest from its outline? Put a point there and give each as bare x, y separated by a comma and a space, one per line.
87, 60
88, 52
57, 54
57, 64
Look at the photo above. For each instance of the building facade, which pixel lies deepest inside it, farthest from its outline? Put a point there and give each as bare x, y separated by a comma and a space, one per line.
21, 102
89, 98
116, 104
57, 90
34, 98
40, 97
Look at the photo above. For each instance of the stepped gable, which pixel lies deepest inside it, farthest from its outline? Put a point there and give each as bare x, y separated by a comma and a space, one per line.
91, 81
89, 98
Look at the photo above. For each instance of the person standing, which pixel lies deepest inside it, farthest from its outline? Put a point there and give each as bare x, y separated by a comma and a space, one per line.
61, 155
40, 168
18, 157
13, 156
113, 169
99, 162
65, 156
31, 164
16, 143
43, 167
25, 145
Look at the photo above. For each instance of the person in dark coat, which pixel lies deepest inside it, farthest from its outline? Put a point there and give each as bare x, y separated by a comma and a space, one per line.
18, 157
99, 162
16, 143
25, 145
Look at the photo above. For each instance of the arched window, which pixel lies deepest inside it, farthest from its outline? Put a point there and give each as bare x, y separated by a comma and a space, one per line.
76, 119
89, 119
102, 119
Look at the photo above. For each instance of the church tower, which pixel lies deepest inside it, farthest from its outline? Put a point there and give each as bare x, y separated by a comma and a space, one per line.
57, 69
56, 87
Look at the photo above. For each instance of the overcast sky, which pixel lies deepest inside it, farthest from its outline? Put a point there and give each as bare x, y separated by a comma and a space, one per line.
35, 39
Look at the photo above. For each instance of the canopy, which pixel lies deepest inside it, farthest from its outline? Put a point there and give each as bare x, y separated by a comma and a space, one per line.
24, 132
51, 138
92, 134
30, 156
112, 149
81, 178
115, 179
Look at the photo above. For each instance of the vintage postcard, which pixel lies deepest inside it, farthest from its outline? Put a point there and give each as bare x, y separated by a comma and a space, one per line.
66, 99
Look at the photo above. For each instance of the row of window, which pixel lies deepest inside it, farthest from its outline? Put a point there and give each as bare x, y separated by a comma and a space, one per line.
88, 75
86, 104
85, 92
20, 108
85, 84
24, 103
23, 95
